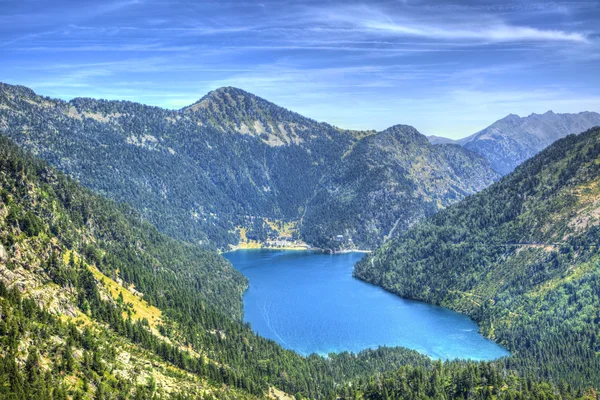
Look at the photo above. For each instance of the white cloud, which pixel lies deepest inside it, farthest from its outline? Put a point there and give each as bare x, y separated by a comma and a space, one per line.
468, 27
495, 33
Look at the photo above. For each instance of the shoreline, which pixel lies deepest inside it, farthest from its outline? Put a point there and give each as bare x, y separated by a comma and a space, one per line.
294, 248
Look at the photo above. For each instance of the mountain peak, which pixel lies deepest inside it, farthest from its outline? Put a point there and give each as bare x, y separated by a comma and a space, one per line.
233, 110
226, 95
401, 128
406, 132
511, 117
229, 90
510, 141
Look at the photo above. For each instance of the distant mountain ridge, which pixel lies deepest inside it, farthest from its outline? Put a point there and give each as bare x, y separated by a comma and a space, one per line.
433, 139
513, 139
234, 167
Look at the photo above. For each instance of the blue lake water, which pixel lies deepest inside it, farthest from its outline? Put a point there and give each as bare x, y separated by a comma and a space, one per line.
309, 302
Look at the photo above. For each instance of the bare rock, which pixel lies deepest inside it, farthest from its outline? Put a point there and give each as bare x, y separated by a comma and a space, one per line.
3, 254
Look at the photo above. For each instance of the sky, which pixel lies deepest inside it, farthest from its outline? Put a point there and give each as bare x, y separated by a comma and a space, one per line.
447, 68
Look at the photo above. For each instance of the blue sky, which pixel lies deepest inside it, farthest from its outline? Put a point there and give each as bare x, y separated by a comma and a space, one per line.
448, 68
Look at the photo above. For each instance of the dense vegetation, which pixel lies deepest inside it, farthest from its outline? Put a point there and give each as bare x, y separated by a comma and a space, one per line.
521, 258
44, 357
458, 380
234, 160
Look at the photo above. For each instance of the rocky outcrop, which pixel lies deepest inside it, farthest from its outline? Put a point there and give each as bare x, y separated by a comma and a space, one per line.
3, 254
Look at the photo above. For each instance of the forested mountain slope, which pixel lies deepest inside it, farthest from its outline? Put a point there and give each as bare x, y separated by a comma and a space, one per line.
186, 172
521, 257
230, 161
513, 139
97, 304
80, 282
387, 182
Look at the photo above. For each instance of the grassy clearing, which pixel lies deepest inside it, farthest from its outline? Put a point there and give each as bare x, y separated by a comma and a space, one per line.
140, 309
283, 229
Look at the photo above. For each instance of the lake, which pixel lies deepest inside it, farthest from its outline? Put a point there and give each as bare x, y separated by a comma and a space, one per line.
309, 302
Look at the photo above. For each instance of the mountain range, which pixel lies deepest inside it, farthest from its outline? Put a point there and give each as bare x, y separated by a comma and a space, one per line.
508, 142
234, 167
96, 303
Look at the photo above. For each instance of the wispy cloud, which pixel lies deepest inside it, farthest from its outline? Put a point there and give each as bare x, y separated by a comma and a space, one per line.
480, 27
497, 32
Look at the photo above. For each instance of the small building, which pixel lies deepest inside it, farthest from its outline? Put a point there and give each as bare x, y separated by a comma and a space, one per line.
339, 238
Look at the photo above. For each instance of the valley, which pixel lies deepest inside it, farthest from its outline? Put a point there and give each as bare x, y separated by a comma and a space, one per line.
510, 254
299, 200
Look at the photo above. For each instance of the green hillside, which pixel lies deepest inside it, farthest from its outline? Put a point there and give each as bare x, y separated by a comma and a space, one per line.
520, 257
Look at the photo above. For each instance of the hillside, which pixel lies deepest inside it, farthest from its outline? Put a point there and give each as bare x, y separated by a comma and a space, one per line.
513, 139
230, 163
520, 257
80, 282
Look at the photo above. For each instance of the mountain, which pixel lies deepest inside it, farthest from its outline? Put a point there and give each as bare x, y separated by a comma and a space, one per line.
520, 257
387, 182
231, 168
193, 173
440, 140
95, 303
510, 141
